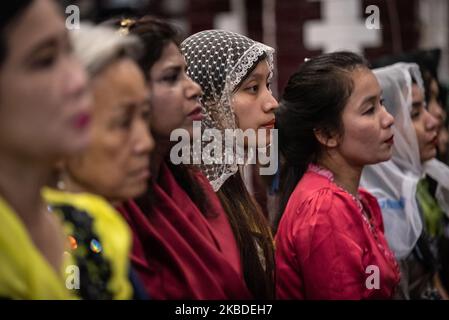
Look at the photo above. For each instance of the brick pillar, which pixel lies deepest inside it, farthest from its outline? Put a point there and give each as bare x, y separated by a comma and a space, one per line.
254, 19
402, 14
290, 17
201, 14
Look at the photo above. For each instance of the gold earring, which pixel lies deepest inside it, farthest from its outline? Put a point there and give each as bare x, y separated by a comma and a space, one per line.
60, 184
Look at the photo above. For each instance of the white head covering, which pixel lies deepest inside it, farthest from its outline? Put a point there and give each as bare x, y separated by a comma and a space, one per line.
218, 61
97, 46
394, 182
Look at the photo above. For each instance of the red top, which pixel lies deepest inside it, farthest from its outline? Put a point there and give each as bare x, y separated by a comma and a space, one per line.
180, 254
326, 248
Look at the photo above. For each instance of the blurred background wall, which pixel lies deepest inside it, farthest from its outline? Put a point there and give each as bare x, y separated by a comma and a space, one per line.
302, 28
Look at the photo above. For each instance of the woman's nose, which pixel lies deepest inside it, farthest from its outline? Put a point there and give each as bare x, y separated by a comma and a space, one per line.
388, 119
194, 90
270, 104
431, 122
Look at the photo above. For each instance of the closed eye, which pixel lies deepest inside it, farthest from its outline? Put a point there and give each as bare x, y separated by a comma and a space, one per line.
370, 110
252, 89
415, 113
171, 78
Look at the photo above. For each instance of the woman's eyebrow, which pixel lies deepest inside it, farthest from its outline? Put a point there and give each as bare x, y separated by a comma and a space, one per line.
370, 98
51, 41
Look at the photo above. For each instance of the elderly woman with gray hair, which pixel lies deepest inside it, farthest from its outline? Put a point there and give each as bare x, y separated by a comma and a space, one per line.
114, 167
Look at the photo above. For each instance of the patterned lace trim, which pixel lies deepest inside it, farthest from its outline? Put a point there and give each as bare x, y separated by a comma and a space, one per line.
329, 175
247, 60
242, 66
321, 171
218, 182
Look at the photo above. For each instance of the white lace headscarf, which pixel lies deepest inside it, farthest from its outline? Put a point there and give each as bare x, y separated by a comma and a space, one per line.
218, 61
394, 182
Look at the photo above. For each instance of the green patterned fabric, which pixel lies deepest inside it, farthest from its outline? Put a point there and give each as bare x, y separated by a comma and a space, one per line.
432, 213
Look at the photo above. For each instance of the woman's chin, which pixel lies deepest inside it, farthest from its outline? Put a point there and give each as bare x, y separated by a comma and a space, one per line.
429, 154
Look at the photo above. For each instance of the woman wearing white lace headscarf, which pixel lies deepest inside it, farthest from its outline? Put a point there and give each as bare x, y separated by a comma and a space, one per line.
395, 182
234, 73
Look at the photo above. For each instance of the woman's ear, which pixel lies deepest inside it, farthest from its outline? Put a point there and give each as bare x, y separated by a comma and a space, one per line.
326, 138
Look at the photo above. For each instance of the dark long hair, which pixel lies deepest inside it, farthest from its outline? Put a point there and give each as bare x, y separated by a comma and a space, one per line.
155, 35
9, 13
251, 229
314, 99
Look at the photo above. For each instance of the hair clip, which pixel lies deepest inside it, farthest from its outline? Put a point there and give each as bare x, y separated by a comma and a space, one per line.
125, 24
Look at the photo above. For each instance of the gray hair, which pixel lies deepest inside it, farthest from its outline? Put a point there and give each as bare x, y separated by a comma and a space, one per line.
99, 46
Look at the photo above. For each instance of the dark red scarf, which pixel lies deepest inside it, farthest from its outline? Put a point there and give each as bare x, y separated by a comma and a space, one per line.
180, 254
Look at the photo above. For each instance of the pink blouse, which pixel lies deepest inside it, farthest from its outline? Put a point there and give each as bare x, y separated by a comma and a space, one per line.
326, 248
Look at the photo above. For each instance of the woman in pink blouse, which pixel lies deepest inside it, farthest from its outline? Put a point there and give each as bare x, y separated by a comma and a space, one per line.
330, 242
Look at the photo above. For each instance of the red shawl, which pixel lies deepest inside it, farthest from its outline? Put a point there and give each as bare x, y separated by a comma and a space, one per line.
179, 253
